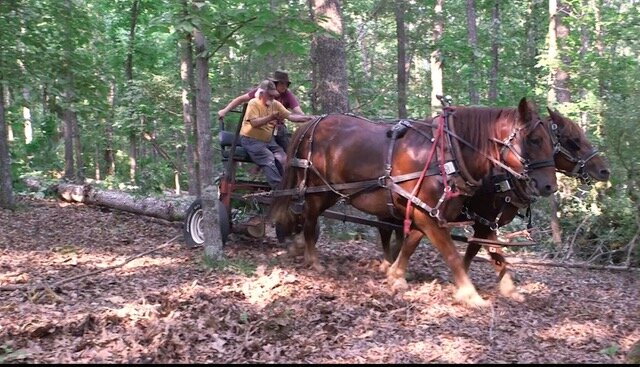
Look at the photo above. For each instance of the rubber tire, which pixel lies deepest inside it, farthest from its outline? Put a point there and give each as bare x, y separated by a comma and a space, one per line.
191, 228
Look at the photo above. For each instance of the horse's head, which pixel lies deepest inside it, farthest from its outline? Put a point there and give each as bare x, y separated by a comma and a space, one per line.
574, 154
529, 150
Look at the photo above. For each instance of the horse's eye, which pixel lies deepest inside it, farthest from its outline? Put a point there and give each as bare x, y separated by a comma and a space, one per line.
535, 141
573, 144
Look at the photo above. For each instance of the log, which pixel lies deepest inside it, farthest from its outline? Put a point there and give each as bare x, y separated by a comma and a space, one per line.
171, 209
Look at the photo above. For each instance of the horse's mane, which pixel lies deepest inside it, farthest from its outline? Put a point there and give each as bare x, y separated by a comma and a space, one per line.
478, 125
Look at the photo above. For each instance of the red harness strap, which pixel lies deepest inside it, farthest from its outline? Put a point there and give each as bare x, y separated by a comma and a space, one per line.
438, 138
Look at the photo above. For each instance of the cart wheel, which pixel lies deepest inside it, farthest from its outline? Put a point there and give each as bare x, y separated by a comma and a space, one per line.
192, 228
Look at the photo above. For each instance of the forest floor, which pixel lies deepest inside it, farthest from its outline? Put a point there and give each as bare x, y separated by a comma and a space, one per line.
265, 306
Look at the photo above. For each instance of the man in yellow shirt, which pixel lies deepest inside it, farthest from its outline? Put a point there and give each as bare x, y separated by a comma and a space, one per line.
256, 133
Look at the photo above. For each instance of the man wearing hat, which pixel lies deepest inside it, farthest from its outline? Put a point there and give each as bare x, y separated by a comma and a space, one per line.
288, 100
257, 131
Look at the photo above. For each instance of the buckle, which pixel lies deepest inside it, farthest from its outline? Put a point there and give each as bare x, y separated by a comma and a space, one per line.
449, 168
502, 186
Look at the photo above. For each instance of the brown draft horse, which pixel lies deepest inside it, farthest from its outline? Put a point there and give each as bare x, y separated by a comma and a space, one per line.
574, 156
500, 198
348, 157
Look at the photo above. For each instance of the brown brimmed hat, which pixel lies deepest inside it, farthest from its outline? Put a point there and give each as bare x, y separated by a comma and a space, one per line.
280, 76
269, 87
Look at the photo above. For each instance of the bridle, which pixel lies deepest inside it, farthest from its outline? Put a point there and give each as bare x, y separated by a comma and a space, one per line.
578, 170
509, 145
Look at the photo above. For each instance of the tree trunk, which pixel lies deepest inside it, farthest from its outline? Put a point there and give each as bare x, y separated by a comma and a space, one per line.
472, 34
364, 49
7, 200
402, 60
186, 75
558, 36
133, 156
4, 89
26, 115
128, 71
531, 49
77, 146
329, 59
69, 167
109, 155
212, 240
436, 59
495, 49
558, 92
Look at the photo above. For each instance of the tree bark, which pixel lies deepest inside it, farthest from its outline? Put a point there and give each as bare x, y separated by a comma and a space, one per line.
558, 35
495, 49
472, 34
7, 200
436, 59
188, 86
109, 154
208, 190
128, 71
77, 146
329, 59
402, 59
69, 167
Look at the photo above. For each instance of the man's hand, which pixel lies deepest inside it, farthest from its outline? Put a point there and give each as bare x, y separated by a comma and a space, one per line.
221, 113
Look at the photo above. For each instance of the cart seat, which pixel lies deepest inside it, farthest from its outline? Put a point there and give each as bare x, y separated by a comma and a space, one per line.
226, 140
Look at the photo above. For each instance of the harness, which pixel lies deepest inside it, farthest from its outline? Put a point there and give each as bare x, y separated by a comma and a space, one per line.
443, 159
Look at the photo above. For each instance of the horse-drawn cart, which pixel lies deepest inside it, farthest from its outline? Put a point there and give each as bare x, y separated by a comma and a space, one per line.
244, 201
467, 166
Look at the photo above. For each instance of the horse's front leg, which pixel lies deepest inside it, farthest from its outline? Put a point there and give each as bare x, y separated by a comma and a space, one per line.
396, 274
441, 239
506, 284
309, 230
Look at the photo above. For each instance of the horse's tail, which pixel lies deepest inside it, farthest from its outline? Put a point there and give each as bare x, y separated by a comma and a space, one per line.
280, 212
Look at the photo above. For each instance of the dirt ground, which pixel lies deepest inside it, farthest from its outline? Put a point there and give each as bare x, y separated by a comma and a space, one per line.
264, 306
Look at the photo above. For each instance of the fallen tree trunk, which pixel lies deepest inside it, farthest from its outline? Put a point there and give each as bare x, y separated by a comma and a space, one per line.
168, 209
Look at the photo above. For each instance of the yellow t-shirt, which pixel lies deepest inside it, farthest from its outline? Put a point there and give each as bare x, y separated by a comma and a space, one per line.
256, 109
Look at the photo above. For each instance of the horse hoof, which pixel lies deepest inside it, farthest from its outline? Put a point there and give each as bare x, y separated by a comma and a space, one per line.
384, 266
509, 290
472, 299
293, 250
317, 267
398, 284
513, 294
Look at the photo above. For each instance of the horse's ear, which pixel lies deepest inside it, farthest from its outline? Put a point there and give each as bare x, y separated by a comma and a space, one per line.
524, 108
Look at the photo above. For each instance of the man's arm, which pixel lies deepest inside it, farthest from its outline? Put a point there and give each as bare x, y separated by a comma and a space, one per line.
297, 110
300, 117
261, 121
244, 98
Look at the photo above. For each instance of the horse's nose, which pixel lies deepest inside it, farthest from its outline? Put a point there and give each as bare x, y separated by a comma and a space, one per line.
545, 190
604, 174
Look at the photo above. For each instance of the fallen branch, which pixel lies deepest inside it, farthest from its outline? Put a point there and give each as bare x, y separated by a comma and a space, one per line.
94, 272
519, 261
